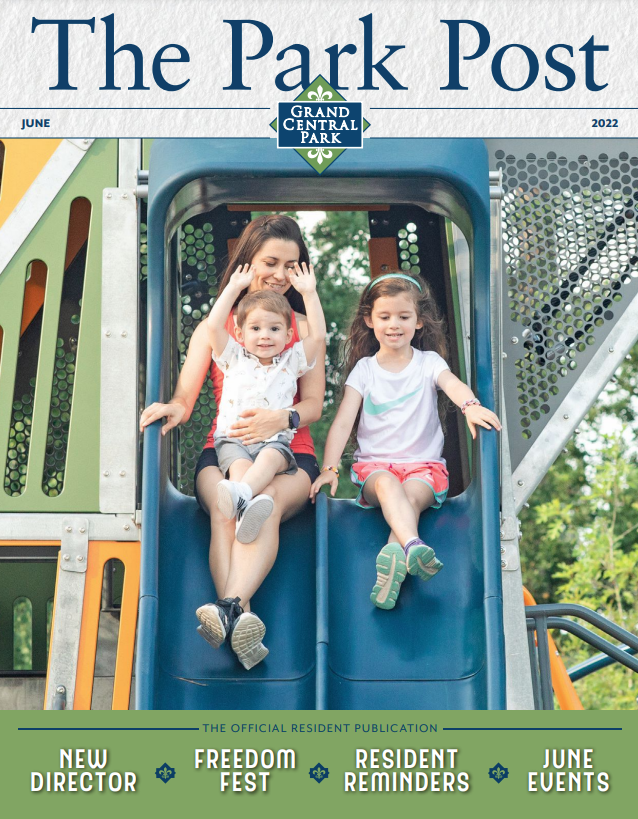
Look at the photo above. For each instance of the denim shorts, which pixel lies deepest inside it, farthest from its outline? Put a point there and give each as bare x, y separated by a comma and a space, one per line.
230, 450
306, 461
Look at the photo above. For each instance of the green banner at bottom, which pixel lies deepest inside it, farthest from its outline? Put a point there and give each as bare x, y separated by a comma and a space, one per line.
168, 762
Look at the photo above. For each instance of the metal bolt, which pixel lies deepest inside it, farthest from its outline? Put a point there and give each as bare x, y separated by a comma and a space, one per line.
68, 529
526, 333
122, 473
106, 473
66, 557
504, 355
108, 334
109, 195
233, 222
502, 548
124, 333
85, 142
521, 483
566, 417
80, 559
82, 530
126, 527
373, 221
60, 688
503, 564
384, 267
611, 349
514, 339
125, 196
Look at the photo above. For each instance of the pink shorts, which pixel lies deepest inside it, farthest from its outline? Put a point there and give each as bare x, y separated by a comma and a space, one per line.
432, 473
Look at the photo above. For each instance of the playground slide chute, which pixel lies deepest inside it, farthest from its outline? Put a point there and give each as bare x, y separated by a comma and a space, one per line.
442, 647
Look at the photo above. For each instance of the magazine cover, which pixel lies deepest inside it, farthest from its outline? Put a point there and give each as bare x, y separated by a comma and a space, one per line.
318, 434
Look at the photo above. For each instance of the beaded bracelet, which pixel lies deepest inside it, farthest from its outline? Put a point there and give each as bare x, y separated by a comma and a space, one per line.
330, 469
469, 403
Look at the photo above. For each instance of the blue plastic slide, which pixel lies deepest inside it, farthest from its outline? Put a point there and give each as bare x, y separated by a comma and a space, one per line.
442, 646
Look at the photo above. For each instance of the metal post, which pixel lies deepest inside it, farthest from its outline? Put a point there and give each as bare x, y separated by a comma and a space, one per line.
519, 680
67, 616
547, 694
533, 654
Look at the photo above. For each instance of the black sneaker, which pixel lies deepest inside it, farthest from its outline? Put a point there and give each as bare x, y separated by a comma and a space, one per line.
218, 619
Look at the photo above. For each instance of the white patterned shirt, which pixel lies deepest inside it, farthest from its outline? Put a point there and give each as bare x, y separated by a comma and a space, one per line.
249, 384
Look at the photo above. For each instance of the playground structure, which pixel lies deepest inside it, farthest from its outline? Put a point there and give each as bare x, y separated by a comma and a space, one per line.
532, 257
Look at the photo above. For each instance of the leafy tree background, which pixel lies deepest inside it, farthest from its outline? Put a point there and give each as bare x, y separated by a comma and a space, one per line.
580, 530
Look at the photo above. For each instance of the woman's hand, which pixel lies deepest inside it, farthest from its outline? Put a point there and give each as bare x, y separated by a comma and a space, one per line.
476, 415
172, 412
303, 278
327, 477
242, 277
256, 425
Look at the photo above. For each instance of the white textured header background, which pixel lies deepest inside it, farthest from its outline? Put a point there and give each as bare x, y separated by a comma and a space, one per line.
29, 66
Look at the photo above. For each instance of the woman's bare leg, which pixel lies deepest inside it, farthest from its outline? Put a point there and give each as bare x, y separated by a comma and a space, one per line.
250, 563
239, 569
222, 531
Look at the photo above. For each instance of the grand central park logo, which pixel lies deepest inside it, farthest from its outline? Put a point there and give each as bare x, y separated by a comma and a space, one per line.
320, 124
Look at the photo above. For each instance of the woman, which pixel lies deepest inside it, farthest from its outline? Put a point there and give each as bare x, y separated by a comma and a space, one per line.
273, 244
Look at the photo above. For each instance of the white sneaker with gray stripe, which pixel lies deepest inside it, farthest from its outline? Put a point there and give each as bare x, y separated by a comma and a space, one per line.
253, 517
230, 499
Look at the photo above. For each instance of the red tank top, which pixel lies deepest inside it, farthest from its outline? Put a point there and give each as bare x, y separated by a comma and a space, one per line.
302, 441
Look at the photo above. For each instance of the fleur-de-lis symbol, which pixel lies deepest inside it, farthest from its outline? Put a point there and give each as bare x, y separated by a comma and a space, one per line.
498, 773
319, 154
319, 773
320, 95
165, 773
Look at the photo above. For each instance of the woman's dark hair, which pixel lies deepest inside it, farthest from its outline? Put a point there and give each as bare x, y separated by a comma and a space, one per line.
252, 239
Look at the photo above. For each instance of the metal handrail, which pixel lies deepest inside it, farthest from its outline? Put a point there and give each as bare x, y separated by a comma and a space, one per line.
544, 617
595, 663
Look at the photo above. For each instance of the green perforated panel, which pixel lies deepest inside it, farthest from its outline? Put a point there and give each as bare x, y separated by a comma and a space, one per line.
47, 242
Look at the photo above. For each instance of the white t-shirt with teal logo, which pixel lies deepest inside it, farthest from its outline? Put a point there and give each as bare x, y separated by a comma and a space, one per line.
399, 417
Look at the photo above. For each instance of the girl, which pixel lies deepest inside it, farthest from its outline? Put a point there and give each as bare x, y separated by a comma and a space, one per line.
394, 363
273, 245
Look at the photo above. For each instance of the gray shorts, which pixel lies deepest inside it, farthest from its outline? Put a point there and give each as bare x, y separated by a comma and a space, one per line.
231, 449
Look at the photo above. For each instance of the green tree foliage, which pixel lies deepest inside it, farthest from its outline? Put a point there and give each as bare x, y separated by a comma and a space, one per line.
580, 532
339, 249
601, 528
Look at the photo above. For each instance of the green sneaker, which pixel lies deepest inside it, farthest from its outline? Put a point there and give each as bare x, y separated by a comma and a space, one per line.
391, 570
422, 561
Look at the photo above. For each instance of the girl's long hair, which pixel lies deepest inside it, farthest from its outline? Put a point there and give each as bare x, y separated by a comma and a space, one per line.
361, 341
252, 239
